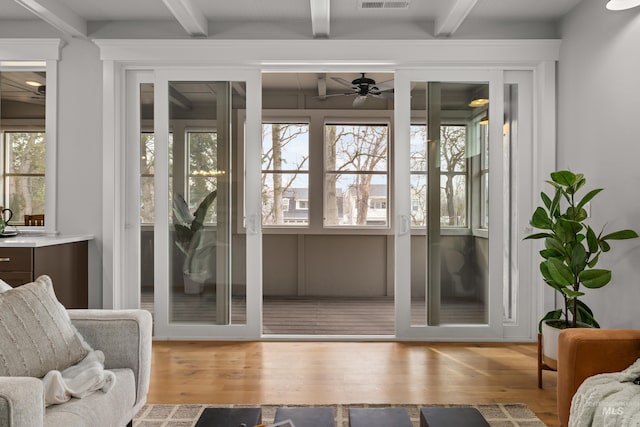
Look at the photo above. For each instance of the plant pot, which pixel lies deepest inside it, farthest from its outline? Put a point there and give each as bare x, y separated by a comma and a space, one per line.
550, 331
192, 287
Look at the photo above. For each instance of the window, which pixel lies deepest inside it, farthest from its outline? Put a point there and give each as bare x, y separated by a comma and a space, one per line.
24, 173
484, 175
285, 174
147, 169
453, 176
356, 171
203, 170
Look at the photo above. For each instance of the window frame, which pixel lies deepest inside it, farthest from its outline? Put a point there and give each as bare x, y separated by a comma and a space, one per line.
4, 166
446, 230
360, 121
294, 224
44, 56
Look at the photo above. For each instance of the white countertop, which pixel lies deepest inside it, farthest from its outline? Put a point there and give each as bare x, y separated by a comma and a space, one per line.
36, 240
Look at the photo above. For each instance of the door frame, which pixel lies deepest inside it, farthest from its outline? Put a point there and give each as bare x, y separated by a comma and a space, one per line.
539, 56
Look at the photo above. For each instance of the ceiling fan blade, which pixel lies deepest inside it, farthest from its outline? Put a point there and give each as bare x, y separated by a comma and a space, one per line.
386, 85
359, 101
342, 81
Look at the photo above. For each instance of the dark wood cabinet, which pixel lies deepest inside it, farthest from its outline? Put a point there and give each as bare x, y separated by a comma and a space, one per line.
66, 264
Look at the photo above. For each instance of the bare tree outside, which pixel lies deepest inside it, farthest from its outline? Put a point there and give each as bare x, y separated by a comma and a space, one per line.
285, 156
358, 157
453, 170
25, 173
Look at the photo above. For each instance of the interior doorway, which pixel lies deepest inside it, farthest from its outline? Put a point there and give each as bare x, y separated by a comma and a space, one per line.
327, 235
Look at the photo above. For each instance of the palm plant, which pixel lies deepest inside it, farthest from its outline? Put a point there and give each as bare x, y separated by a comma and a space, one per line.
572, 248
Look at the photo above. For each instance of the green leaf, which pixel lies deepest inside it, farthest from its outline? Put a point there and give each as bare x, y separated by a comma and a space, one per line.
587, 198
546, 199
620, 235
554, 211
555, 244
571, 294
552, 315
580, 182
592, 240
567, 230
604, 245
576, 214
540, 219
538, 236
585, 315
595, 278
564, 178
594, 260
578, 258
550, 253
559, 272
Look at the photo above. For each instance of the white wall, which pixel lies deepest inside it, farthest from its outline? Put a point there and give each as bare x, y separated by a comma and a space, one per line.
79, 206
598, 113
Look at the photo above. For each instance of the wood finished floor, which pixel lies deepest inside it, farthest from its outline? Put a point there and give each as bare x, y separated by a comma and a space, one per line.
350, 372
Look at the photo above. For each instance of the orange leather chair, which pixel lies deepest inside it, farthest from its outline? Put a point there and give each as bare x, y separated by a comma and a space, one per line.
583, 352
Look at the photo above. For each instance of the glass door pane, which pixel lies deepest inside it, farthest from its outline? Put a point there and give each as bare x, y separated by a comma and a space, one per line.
200, 188
449, 137
454, 285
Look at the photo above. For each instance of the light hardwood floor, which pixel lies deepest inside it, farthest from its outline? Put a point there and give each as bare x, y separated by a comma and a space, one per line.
350, 372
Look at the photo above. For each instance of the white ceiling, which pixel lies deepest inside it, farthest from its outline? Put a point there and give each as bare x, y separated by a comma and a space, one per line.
319, 15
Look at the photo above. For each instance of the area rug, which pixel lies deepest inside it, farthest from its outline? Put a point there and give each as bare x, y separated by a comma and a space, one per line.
497, 415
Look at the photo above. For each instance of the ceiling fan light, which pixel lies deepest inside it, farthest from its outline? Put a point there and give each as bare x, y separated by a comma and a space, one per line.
622, 4
33, 83
478, 102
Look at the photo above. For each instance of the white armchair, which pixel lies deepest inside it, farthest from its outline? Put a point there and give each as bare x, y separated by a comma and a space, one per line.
124, 336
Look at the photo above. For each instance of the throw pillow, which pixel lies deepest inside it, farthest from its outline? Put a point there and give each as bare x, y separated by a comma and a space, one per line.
36, 334
4, 286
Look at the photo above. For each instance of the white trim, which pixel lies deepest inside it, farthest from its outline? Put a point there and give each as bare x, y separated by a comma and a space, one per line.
446, 24
58, 15
30, 49
326, 55
51, 154
320, 17
189, 16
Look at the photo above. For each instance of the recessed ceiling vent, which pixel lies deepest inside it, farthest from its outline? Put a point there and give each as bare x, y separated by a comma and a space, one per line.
386, 4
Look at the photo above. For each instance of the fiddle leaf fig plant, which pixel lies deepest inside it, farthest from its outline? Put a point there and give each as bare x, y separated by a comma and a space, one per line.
572, 248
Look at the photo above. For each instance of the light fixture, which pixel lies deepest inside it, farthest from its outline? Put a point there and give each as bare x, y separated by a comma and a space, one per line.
622, 4
34, 83
478, 102
484, 120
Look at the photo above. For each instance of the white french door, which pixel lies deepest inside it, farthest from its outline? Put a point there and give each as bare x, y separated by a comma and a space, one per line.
182, 213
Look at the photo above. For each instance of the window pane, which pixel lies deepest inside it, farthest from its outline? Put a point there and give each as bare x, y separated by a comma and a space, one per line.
26, 196
356, 199
360, 148
285, 196
418, 200
25, 152
452, 148
292, 192
285, 146
418, 148
453, 200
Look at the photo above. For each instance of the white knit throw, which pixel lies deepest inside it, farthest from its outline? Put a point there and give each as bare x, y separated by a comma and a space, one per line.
608, 400
79, 380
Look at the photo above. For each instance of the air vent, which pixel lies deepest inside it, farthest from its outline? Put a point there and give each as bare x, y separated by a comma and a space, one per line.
388, 4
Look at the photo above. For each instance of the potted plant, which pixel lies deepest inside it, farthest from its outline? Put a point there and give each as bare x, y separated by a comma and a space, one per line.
199, 252
571, 251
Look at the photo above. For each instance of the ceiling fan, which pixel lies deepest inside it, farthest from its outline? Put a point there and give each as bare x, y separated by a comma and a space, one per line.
364, 87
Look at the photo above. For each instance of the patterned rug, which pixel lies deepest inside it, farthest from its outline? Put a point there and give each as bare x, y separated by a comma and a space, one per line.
498, 415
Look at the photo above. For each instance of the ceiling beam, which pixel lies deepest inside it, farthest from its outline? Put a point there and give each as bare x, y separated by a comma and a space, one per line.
58, 15
320, 18
448, 22
189, 16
